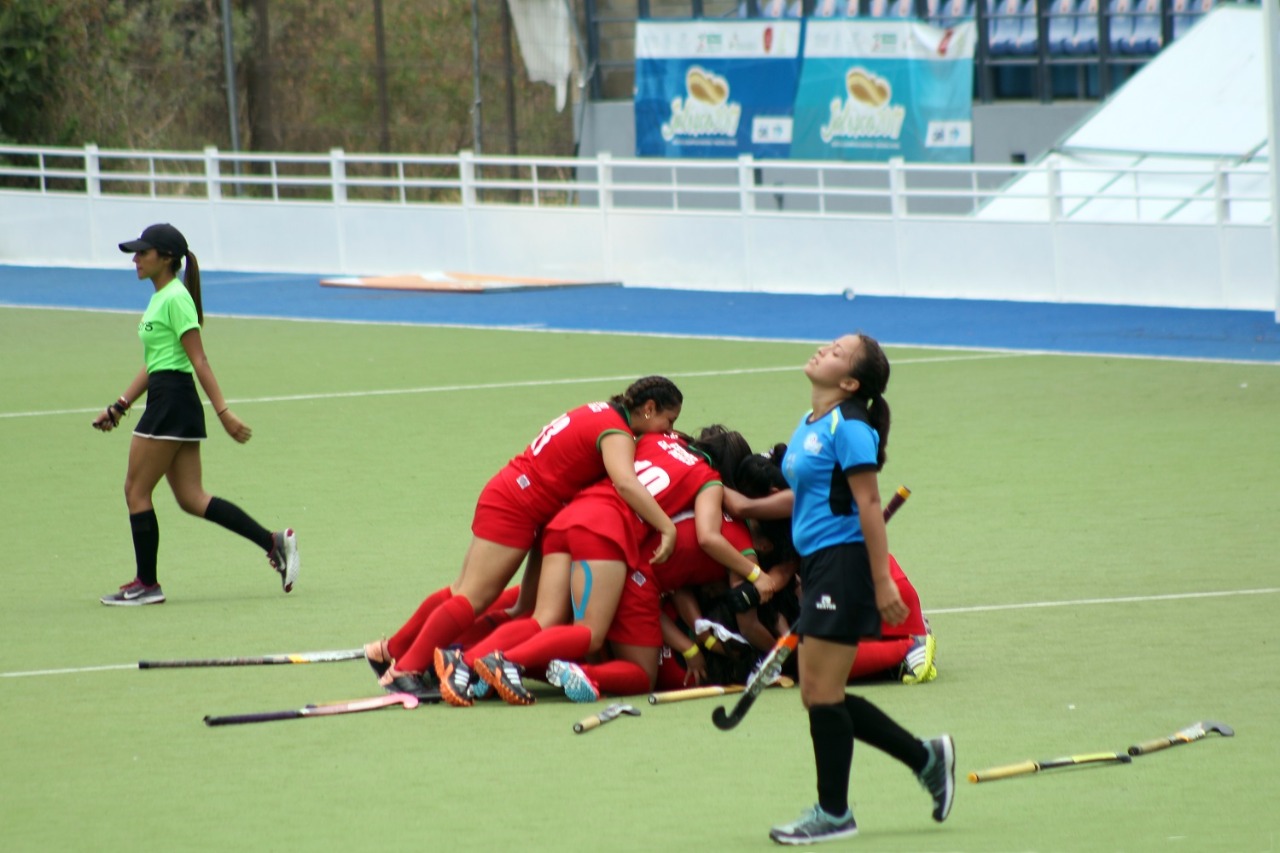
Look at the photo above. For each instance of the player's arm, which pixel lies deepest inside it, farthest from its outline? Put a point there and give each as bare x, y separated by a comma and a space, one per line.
109, 418
776, 505
236, 428
707, 517
866, 493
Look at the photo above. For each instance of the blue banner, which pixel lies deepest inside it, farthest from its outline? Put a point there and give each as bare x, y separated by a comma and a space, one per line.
875, 90
813, 89
716, 88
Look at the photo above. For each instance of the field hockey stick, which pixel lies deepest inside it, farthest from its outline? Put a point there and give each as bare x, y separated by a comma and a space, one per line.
264, 660
1191, 733
595, 721
771, 666
668, 696
1027, 767
327, 709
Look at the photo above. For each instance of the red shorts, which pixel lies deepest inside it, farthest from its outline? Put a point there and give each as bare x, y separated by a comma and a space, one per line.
636, 622
582, 544
503, 518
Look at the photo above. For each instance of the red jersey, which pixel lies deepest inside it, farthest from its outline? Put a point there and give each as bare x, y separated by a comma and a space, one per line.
564, 458
672, 473
689, 565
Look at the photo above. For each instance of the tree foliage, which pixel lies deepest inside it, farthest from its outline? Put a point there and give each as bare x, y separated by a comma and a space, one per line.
149, 74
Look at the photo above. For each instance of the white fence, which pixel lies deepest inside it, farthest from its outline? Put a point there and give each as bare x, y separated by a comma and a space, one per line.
1178, 238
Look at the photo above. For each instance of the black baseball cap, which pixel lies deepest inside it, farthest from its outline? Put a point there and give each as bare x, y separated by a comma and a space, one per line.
162, 237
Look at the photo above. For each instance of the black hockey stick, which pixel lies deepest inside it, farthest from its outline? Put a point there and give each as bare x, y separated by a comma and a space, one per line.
262, 660
328, 709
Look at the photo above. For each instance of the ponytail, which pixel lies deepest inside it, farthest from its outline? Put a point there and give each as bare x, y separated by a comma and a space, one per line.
872, 373
192, 281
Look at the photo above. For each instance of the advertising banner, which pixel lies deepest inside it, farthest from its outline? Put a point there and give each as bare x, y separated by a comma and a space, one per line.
715, 88
878, 89
870, 89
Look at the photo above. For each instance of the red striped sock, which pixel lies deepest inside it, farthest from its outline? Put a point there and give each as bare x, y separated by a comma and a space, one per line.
559, 642
403, 639
505, 637
441, 628
619, 677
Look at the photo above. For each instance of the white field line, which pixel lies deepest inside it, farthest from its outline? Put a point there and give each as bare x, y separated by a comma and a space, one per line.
984, 608
493, 386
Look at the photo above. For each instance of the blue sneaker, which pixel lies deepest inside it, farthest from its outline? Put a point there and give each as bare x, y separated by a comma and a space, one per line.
570, 677
939, 775
920, 665
815, 825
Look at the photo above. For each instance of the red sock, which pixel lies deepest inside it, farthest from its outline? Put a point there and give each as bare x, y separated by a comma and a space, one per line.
878, 655
618, 677
495, 616
506, 637
559, 642
441, 628
403, 639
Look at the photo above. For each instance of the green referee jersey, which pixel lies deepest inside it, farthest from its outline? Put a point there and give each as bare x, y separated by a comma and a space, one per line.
170, 314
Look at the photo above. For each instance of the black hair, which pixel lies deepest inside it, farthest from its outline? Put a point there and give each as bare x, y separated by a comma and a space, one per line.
872, 372
661, 390
758, 475
725, 448
191, 280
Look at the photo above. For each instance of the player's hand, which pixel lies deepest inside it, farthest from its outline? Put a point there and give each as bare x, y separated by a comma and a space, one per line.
766, 586
235, 427
889, 602
695, 670
665, 547
106, 421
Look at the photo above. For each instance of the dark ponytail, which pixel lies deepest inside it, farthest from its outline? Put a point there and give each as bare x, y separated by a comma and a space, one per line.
191, 280
725, 448
661, 390
872, 373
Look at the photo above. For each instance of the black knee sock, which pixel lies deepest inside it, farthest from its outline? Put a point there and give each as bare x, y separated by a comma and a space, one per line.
874, 726
832, 733
237, 520
146, 544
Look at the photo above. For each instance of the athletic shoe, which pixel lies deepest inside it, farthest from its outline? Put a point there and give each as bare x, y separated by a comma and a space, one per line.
135, 593
284, 557
455, 678
504, 677
815, 825
919, 666
575, 683
414, 684
939, 775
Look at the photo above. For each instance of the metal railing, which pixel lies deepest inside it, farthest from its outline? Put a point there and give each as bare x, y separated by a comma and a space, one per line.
1131, 189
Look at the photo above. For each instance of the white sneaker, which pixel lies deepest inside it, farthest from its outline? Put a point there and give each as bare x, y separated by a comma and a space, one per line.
284, 557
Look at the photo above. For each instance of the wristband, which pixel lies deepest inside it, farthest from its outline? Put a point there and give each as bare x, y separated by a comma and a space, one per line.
754, 576
223, 412
690, 652
124, 403
710, 642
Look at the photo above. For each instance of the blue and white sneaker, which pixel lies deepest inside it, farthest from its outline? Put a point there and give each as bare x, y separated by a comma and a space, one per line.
815, 825
575, 683
939, 775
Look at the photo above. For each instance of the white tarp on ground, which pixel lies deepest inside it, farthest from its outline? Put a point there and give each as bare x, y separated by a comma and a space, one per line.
1200, 104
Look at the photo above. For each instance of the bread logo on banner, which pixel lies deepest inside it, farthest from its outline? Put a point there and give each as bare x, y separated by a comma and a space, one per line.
705, 115
865, 110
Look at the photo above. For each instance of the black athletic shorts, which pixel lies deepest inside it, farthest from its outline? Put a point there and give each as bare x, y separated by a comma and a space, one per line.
174, 410
839, 597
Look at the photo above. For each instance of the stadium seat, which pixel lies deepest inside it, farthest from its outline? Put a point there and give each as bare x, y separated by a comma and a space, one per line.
1063, 19
1187, 12
1012, 27
1085, 40
1146, 38
1120, 25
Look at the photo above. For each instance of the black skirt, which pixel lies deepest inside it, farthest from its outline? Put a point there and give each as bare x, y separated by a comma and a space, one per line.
839, 597
174, 411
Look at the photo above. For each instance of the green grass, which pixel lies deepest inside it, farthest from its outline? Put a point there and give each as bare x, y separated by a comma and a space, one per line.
1036, 479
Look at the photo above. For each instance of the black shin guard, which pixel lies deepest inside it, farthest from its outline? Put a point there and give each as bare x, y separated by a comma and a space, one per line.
146, 544
876, 728
237, 520
832, 732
